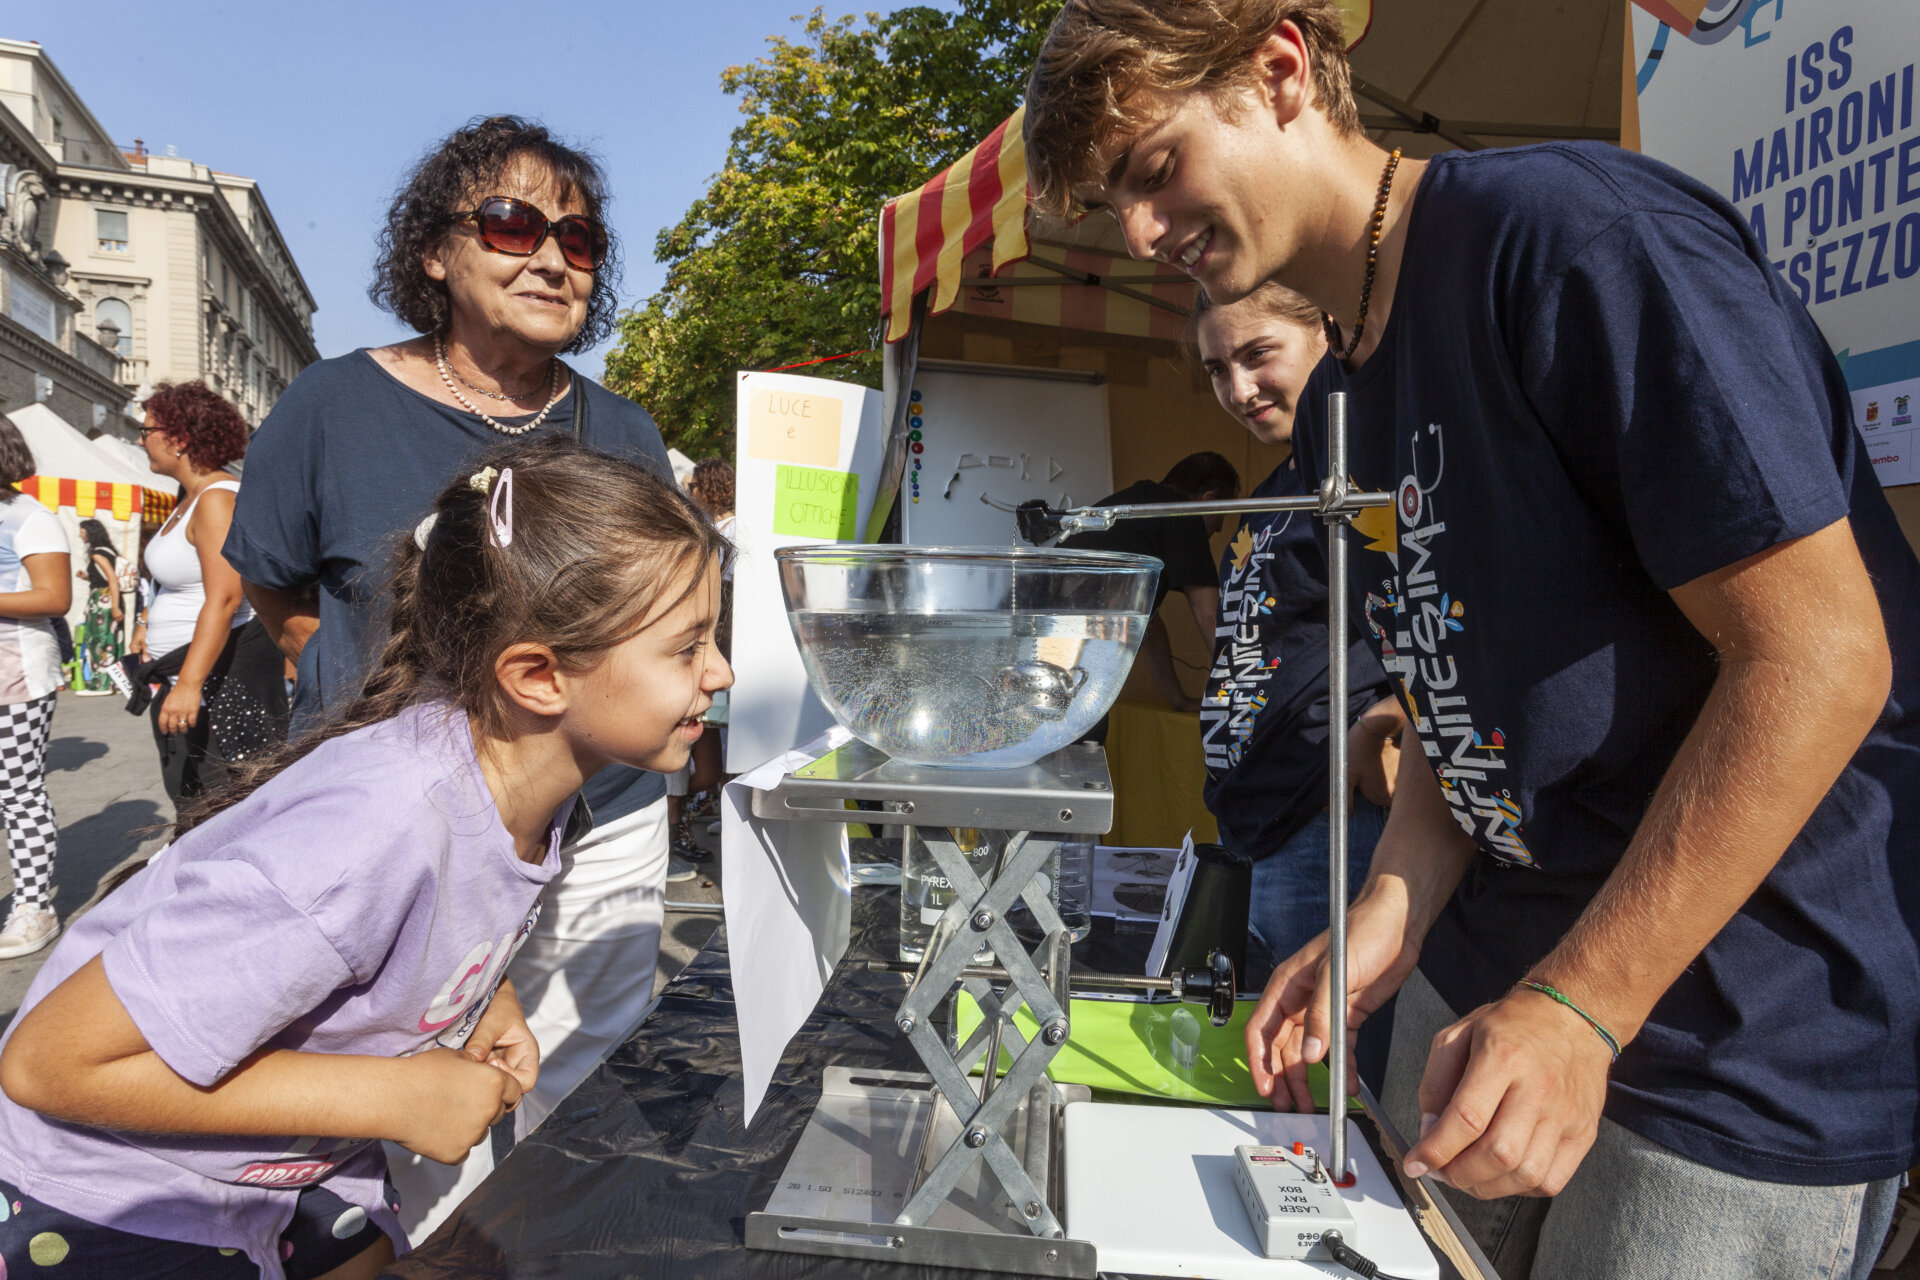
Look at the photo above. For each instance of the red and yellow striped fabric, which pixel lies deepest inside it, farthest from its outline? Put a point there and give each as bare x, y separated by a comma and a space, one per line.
926, 234
1097, 308
85, 496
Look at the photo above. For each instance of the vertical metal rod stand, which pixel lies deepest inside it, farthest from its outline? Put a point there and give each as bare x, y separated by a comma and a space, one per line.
1334, 511
1336, 505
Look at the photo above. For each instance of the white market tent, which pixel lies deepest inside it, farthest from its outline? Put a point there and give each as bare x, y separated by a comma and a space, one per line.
131, 457
77, 480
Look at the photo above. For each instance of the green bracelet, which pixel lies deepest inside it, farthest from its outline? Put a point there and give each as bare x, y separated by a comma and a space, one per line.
1613, 1045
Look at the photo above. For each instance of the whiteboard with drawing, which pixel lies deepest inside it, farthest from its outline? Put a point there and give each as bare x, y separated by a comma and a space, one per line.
1006, 435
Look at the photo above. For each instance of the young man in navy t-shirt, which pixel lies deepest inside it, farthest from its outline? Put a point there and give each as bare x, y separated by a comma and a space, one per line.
1652, 621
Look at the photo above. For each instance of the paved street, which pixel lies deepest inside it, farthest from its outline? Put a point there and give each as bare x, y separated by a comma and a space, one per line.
104, 779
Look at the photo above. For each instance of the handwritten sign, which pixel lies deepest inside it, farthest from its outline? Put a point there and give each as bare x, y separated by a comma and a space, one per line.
794, 426
815, 503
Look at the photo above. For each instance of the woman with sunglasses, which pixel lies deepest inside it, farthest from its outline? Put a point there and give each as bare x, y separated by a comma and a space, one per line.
495, 251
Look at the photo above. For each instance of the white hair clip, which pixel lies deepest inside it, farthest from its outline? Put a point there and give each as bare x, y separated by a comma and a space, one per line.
424, 529
482, 479
502, 527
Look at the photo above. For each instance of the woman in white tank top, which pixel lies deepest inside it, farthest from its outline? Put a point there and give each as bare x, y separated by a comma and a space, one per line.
227, 699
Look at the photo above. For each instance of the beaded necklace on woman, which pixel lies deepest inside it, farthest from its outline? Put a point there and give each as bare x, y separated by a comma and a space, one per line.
447, 376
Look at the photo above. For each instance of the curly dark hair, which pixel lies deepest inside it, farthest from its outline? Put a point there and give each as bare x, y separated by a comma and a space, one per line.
16, 461
209, 429
711, 485
447, 181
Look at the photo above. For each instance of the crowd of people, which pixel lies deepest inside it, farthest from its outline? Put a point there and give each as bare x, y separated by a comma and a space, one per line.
338, 685
1636, 747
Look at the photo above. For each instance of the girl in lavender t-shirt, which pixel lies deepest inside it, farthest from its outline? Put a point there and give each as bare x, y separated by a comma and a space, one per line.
198, 1078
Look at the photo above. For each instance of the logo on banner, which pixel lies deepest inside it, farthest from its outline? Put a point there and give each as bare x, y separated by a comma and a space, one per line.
1873, 411
1901, 417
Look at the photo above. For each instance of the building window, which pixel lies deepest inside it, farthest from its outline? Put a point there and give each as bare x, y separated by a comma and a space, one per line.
113, 322
110, 230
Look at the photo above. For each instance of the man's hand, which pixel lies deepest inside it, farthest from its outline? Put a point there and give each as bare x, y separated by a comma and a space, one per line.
502, 1038
1291, 1025
449, 1102
1511, 1100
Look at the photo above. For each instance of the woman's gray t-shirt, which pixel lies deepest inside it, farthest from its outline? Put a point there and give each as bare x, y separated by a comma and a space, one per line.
348, 461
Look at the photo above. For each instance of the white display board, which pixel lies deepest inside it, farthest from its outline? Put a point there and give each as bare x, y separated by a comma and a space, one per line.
1152, 1188
808, 459
1804, 115
1007, 434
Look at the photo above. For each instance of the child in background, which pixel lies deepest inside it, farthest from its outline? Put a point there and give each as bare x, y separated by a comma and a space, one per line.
197, 1077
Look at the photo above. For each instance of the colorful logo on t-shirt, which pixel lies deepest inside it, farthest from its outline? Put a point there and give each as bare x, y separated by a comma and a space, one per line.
464, 995
1413, 619
1236, 686
300, 1173
304, 1163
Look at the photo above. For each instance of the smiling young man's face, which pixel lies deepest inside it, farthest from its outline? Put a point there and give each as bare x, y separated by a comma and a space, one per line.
1213, 184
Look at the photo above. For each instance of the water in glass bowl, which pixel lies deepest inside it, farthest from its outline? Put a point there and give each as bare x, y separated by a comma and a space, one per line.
989, 689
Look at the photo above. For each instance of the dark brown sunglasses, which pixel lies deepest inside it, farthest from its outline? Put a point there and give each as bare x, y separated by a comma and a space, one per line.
518, 229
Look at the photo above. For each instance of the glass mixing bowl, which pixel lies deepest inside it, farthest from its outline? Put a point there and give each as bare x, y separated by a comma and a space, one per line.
966, 657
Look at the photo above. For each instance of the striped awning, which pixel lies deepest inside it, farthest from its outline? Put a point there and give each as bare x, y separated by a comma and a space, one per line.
1066, 287
926, 234
86, 497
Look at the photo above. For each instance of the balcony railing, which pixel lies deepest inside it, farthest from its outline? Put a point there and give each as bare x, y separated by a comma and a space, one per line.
133, 373
96, 357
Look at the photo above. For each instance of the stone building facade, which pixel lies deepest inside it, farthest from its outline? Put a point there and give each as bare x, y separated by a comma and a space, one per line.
46, 355
174, 269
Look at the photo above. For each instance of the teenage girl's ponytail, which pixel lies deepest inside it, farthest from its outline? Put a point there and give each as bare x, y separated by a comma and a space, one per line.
598, 546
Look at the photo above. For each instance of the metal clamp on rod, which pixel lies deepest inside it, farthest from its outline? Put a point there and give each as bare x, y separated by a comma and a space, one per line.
1043, 525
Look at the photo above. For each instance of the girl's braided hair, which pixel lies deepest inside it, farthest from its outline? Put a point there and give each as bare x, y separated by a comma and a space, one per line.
601, 547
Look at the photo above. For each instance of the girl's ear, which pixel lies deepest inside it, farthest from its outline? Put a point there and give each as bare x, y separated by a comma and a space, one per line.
530, 675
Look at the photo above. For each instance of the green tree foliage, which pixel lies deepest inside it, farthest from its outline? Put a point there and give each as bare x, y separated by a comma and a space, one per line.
778, 261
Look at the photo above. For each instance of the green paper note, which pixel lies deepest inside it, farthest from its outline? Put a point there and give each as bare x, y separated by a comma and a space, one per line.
1123, 1045
814, 503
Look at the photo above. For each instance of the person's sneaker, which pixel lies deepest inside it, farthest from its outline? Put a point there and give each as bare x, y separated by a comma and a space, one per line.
28, 929
683, 845
679, 869
715, 827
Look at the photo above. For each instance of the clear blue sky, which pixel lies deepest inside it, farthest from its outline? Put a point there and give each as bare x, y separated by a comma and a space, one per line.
327, 105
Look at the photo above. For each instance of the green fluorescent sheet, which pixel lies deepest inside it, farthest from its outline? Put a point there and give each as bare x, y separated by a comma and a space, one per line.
1123, 1045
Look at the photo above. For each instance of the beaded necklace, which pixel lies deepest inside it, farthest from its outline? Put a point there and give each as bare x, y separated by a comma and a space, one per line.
1373, 256
446, 376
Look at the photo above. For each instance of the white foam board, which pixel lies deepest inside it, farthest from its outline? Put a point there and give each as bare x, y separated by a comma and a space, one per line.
1152, 1189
